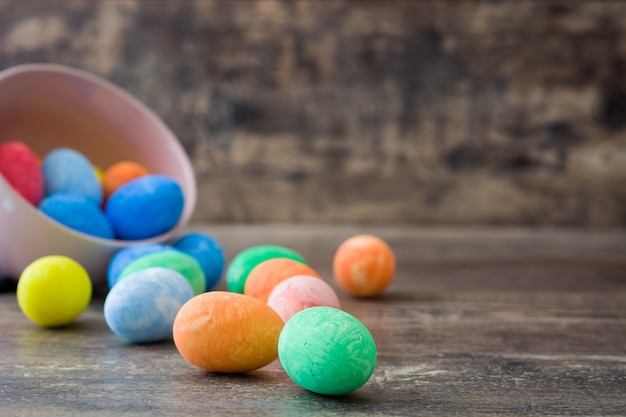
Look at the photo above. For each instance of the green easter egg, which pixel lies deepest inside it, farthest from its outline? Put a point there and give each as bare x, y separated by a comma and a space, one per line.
172, 259
327, 351
246, 260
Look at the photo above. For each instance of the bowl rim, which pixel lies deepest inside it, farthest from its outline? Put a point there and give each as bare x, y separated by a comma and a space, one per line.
186, 170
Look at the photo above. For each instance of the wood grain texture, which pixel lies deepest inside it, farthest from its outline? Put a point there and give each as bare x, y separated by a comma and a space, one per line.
478, 322
448, 112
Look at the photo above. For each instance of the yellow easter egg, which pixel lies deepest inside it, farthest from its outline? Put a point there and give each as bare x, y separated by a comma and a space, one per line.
99, 173
53, 291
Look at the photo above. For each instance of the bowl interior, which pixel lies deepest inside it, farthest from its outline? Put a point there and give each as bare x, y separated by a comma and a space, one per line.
50, 106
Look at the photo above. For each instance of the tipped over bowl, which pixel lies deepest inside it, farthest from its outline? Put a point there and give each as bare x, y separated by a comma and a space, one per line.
49, 106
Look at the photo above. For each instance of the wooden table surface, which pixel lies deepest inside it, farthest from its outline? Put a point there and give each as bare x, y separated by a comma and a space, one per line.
477, 322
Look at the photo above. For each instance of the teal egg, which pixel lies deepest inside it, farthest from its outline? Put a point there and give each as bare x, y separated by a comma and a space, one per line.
172, 259
246, 260
327, 351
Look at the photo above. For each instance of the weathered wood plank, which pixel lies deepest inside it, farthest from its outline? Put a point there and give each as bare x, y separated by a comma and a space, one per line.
478, 322
474, 112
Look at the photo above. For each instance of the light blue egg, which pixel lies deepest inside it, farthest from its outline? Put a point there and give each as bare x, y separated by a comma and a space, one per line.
68, 171
145, 207
142, 307
77, 213
207, 251
126, 256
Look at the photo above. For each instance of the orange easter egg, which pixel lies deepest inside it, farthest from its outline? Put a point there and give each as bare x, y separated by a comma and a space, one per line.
364, 265
227, 332
119, 174
268, 274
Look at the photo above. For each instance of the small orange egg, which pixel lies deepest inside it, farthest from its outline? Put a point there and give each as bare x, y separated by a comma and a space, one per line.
119, 174
268, 274
227, 332
364, 265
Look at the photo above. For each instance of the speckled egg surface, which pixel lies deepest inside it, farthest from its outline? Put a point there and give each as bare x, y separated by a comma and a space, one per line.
126, 256
172, 259
207, 251
246, 260
300, 292
145, 207
227, 332
142, 307
327, 351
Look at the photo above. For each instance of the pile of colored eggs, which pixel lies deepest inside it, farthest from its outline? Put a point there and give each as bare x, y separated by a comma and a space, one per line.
69, 189
150, 282
276, 305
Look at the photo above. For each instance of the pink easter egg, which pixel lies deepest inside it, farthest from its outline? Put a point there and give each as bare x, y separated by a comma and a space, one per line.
299, 292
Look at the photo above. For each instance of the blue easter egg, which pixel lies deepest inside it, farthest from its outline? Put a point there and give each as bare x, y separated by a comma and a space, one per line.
142, 307
78, 213
126, 256
145, 207
68, 171
207, 251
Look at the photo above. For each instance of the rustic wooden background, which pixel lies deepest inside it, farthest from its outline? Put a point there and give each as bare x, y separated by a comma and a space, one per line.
425, 112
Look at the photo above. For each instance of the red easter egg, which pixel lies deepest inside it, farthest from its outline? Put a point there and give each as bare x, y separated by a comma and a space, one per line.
21, 168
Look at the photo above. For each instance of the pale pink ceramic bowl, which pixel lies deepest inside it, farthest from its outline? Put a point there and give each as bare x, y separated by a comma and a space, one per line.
49, 106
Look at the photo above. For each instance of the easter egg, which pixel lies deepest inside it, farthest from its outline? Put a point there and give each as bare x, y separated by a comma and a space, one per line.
207, 251
142, 307
299, 292
266, 275
126, 256
53, 291
364, 265
145, 207
327, 351
227, 332
99, 173
68, 171
78, 213
172, 259
20, 167
246, 260
119, 174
